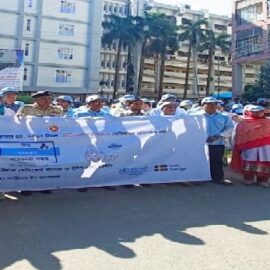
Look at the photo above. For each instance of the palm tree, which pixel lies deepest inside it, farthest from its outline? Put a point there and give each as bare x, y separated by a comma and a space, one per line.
194, 34
212, 43
160, 35
124, 31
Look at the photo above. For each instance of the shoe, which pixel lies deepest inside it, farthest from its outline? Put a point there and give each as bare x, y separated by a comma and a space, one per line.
224, 182
109, 188
82, 189
145, 185
128, 186
248, 183
26, 193
2, 196
263, 184
46, 192
186, 184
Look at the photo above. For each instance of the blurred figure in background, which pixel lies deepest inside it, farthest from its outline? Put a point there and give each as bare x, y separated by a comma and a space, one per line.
66, 102
251, 151
11, 105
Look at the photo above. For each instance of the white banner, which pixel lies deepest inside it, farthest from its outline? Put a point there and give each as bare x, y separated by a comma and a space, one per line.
51, 153
11, 68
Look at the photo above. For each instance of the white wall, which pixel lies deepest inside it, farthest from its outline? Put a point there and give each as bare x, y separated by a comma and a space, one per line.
8, 43
30, 56
29, 75
47, 75
50, 31
8, 22
30, 33
33, 9
10, 4
53, 8
48, 54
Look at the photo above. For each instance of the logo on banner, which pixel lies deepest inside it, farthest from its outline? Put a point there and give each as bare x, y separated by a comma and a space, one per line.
133, 171
161, 168
106, 154
54, 128
170, 167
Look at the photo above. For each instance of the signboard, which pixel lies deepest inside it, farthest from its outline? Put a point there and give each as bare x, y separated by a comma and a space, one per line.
11, 68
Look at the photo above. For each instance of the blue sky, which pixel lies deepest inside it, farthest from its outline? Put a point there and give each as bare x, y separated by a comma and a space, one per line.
221, 7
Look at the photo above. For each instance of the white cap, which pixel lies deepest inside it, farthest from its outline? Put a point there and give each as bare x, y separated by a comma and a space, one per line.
186, 103
9, 89
209, 100
168, 97
127, 98
93, 98
253, 108
237, 106
65, 98
163, 104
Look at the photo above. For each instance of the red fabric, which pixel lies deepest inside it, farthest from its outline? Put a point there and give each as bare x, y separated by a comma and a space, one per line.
250, 133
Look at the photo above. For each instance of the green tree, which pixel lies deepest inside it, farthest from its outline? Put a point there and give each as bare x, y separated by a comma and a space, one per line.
195, 35
261, 88
125, 31
211, 43
160, 36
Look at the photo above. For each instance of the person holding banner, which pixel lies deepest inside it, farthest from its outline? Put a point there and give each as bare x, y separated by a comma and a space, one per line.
93, 108
219, 126
66, 103
251, 151
11, 106
42, 106
168, 108
134, 108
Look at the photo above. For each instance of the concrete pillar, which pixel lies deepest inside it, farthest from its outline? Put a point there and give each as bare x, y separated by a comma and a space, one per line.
94, 46
237, 72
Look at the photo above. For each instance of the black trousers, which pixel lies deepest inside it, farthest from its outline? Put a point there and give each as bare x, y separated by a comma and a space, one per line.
216, 153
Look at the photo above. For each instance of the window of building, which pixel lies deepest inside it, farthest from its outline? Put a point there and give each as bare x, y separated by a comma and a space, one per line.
120, 9
28, 25
249, 14
26, 49
63, 76
249, 42
220, 27
25, 73
186, 21
66, 30
30, 3
65, 53
67, 6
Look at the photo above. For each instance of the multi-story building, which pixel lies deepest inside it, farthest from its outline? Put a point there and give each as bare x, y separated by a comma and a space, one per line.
108, 52
176, 64
251, 37
60, 39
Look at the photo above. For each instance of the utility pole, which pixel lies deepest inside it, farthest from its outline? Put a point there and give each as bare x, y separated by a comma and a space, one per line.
218, 89
130, 69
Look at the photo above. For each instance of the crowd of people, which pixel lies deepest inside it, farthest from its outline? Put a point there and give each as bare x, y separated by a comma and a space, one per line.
230, 125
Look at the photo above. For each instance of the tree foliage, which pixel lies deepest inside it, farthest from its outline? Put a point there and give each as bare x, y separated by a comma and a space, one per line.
261, 88
194, 34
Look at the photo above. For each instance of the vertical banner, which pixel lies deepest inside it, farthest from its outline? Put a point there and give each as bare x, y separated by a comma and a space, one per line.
51, 153
11, 68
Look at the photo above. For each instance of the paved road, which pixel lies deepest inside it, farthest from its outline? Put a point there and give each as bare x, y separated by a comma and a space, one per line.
164, 227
